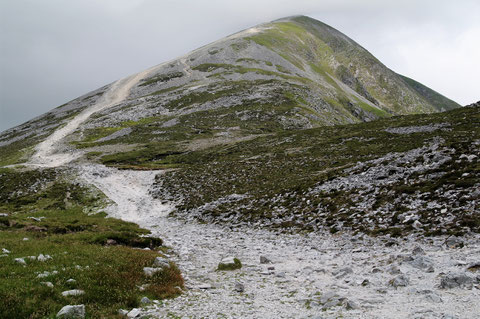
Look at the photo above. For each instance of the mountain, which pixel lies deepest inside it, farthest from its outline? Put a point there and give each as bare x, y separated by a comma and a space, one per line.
271, 165
292, 73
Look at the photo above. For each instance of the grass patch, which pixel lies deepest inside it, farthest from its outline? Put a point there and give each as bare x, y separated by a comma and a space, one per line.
99, 253
237, 264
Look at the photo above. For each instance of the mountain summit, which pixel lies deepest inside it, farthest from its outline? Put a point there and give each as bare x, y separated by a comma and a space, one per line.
292, 73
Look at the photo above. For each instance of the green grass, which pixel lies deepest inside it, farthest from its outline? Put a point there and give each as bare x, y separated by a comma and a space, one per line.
75, 236
236, 265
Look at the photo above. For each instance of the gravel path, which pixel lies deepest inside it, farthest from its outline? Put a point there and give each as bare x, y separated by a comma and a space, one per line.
305, 270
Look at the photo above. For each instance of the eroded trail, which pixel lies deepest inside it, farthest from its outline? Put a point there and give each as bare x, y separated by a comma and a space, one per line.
52, 153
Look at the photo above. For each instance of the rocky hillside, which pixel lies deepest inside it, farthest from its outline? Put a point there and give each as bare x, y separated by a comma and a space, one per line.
293, 73
413, 174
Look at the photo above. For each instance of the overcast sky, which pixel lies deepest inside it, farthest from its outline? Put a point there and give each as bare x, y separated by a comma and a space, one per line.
52, 51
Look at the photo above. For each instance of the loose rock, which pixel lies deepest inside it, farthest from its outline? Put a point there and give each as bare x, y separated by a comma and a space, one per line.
239, 287
161, 262
265, 260
135, 312
72, 312
150, 271
453, 280
73, 292
399, 281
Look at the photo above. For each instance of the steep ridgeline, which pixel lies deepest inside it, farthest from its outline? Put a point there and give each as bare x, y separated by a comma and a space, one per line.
292, 73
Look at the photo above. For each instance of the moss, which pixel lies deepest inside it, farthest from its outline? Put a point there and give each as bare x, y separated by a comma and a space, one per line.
236, 265
161, 78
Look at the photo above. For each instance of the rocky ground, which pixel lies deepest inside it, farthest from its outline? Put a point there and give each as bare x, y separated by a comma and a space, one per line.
317, 275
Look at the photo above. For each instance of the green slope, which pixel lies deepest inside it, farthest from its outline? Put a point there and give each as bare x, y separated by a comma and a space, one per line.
439, 101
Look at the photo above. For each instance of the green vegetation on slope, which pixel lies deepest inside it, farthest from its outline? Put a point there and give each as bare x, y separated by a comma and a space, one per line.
97, 252
276, 174
439, 101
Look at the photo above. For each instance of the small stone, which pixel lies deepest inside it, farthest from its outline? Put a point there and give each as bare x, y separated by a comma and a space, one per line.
44, 274
422, 262
418, 251
399, 281
365, 282
111, 242
433, 298
21, 261
145, 301
454, 242
32, 257
72, 312
265, 260
205, 286
394, 270
343, 272
3, 215
351, 305
71, 281
26, 239
280, 274
161, 262
73, 292
122, 312
47, 283
5, 251
149, 271
331, 299
135, 312
417, 225
239, 287
42, 258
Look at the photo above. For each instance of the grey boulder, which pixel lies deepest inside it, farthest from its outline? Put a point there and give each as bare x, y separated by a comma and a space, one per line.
453, 280
72, 312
